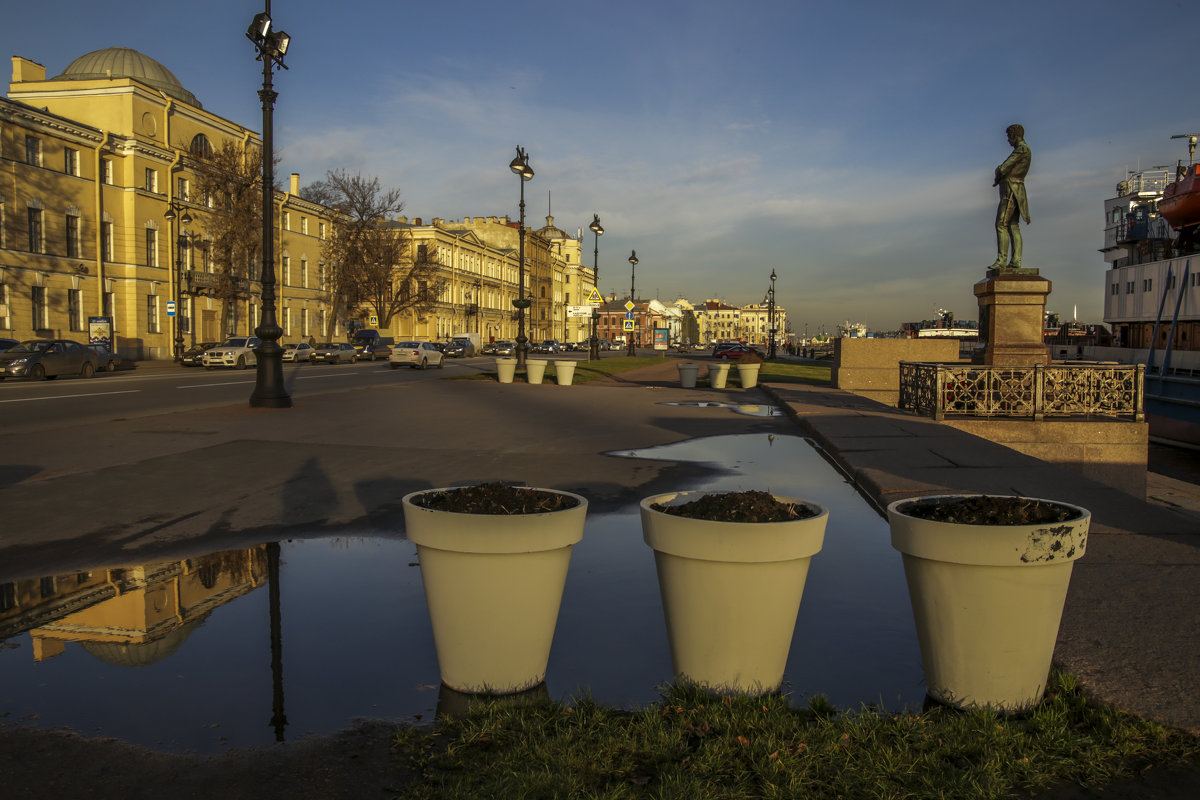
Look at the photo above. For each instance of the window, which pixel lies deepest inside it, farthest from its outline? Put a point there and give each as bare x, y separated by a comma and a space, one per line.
151, 247
151, 182
183, 189
287, 321
73, 248
1114, 289
5, 317
33, 151
304, 225
304, 272
1147, 284
41, 311
152, 313
106, 240
287, 270
287, 221
75, 309
321, 229
106, 171
37, 240
71, 161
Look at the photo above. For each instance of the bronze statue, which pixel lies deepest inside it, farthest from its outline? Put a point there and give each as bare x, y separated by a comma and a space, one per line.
1014, 205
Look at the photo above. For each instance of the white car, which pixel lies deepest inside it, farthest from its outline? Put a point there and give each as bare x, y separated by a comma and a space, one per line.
236, 351
301, 351
417, 355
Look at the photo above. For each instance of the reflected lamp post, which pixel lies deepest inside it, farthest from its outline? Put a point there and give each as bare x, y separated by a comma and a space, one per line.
177, 215
594, 342
269, 390
633, 262
771, 313
520, 165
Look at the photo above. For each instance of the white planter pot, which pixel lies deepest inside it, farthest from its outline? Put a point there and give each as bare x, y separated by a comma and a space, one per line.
748, 375
493, 584
687, 375
535, 369
564, 372
987, 601
506, 368
731, 592
718, 374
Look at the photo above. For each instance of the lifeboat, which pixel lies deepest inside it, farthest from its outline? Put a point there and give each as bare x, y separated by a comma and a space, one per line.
1180, 203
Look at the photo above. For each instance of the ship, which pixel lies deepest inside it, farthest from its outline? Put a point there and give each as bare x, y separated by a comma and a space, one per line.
1152, 290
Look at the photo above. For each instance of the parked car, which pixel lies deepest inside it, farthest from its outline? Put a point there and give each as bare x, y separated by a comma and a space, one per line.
106, 359
548, 346
334, 353
459, 347
417, 355
488, 349
236, 351
734, 351
298, 351
7, 343
194, 355
45, 359
506, 348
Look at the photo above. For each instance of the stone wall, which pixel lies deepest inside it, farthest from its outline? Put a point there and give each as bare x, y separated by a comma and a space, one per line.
1112, 452
871, 367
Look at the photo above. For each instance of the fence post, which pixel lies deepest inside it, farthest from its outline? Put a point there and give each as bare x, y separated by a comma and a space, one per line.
1039, 392
939, 397
1139, 408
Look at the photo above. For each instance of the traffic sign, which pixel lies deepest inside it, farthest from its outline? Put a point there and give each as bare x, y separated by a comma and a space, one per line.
628, 315
170, 308
579, 311
629, 306
374, 321
628, 324
594, 297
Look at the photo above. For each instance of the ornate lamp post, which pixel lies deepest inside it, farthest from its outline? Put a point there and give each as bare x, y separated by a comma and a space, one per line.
771, 313
594, 342
520, 165
269, 390
177, 215
633, 262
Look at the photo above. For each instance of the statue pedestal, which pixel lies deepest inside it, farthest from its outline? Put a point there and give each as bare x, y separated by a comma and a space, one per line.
1012, 306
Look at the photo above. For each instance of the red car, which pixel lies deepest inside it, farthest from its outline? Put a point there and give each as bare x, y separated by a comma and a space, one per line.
733, 351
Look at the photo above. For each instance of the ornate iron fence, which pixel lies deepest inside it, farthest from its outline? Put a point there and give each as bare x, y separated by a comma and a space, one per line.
1057, 390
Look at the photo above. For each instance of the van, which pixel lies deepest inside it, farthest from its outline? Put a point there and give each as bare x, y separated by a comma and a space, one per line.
369, 345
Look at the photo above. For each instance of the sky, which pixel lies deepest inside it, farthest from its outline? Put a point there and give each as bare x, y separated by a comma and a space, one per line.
848, 146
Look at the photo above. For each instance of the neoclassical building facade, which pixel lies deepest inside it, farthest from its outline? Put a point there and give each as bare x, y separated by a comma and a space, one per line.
100, 218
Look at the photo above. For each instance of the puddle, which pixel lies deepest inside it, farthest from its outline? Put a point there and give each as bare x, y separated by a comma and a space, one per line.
278, 642
751, 410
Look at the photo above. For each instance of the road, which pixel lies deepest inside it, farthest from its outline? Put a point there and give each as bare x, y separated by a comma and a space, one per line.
158, 388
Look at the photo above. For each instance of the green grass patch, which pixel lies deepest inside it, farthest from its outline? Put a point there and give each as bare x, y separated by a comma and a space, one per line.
692, 745
816, 374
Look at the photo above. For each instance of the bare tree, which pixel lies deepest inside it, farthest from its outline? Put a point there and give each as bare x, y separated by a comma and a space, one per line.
320, 192
371, 258
229, 180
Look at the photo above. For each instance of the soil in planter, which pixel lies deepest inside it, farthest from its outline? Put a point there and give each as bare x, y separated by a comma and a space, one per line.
989, 510
495, 498
748, 506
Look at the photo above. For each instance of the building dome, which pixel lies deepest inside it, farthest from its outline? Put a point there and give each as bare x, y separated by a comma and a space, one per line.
124, 62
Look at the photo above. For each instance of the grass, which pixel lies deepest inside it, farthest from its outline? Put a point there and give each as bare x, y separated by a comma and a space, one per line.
772, 371
691, 745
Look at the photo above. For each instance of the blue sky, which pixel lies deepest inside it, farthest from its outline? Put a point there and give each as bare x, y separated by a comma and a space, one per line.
848, 146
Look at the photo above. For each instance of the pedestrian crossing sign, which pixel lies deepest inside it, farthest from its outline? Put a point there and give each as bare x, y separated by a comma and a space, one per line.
594, 297
628, 324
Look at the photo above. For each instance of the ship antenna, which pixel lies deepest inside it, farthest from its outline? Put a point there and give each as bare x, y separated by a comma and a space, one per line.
1191, 137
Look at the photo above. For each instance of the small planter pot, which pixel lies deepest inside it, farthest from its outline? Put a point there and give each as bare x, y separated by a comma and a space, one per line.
748, 375
506, 368
535, 369
730, 592
564, 372
687, 375
493, 584
987, 601
718, 374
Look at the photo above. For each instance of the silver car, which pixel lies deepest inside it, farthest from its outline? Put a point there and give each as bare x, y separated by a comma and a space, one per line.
46, 359
417, 355
334, 353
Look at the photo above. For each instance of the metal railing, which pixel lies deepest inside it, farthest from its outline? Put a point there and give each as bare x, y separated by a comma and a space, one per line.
1034, 392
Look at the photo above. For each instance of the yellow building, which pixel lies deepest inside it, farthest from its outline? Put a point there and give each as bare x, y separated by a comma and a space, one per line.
91, 162
480, 269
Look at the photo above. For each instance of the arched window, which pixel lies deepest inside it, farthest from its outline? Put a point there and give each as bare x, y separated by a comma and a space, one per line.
200, 146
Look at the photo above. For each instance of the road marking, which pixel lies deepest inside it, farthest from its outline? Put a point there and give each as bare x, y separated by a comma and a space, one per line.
241, 383
69, 396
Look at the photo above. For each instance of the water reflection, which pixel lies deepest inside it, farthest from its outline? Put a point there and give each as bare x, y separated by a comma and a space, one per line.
188, 655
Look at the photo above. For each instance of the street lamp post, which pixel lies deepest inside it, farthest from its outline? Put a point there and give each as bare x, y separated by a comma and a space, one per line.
594, 343
269, 390
633, 262
177, 215
520, 165
771, 313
